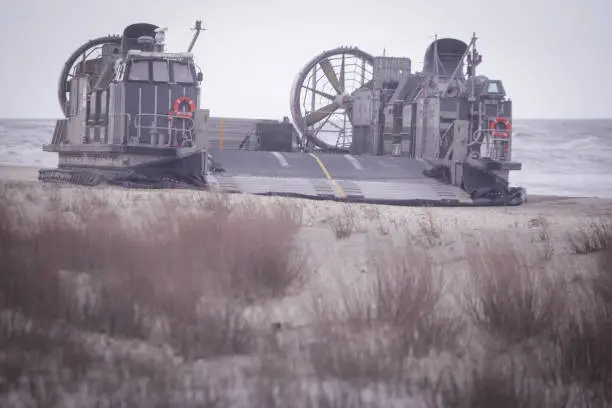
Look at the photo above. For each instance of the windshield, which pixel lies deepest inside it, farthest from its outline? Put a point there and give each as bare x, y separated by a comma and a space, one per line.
139, 71
160, 71
182, 73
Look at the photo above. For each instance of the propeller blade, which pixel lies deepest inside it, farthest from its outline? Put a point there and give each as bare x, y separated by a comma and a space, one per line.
342, 77
329, 72
321, 93
320, 114
318, 129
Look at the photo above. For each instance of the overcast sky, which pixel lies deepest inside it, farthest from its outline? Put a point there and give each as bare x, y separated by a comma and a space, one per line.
554, 56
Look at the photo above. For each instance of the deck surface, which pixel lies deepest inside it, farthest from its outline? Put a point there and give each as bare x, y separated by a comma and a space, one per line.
332, 176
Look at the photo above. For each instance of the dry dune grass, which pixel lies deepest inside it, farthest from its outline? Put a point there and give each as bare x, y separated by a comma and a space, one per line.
393, 318
105, 313
511, 300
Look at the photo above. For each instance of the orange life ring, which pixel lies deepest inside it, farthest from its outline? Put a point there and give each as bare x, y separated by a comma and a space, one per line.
177, 106
501, 133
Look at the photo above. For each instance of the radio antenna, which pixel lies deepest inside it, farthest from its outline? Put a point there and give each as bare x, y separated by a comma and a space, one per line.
198, 27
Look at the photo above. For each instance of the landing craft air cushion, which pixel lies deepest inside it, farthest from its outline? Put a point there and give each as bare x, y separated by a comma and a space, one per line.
365, 128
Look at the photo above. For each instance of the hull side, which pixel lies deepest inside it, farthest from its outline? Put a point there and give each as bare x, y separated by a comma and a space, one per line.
180, 170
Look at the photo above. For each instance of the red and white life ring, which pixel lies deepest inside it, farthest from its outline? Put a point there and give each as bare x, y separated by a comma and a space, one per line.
500, 133
183, 100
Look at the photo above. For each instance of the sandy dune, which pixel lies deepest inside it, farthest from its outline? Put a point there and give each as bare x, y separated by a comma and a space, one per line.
450, 237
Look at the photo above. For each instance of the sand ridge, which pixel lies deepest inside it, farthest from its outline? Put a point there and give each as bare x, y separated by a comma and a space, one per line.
340, 242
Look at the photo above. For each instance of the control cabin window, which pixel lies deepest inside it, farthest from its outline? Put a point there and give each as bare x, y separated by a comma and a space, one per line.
182, 73
139, 71
493, 87
161, 72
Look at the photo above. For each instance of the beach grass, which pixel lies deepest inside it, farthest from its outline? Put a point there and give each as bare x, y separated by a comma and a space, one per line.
164, 299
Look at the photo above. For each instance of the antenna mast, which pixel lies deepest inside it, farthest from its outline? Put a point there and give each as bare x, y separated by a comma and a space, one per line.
198, 27
474, 60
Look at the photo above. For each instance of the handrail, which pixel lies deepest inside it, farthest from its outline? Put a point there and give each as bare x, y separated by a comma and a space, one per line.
492, 143
185, 132
156, 116
488, 133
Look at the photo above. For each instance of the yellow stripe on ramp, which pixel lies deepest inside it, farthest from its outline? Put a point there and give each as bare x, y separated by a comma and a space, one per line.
329, 177
221, 134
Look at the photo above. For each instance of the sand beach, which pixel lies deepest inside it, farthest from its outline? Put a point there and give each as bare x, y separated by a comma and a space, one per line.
184, 298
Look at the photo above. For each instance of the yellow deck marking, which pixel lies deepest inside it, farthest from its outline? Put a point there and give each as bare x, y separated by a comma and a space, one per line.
221, 134
329, 177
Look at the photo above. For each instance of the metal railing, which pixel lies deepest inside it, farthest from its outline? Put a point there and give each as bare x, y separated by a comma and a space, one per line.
164, 130
496, 148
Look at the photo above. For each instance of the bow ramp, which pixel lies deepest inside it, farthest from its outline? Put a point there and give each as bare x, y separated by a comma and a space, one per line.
329, 176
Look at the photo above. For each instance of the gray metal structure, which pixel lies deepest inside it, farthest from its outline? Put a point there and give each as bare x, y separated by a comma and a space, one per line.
365, 128
132, 115
455, 123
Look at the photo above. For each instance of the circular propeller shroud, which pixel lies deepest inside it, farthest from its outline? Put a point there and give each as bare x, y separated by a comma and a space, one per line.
321, 96
86, 50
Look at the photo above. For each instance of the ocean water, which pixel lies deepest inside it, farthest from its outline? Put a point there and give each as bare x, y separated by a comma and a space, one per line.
560, 157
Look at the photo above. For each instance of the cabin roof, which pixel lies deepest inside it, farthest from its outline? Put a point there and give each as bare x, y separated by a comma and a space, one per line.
156, 54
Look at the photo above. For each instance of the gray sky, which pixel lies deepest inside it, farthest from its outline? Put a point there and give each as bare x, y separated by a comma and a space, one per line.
555, 57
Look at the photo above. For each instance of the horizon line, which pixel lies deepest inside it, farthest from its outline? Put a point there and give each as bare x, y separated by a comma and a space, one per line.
258, 118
